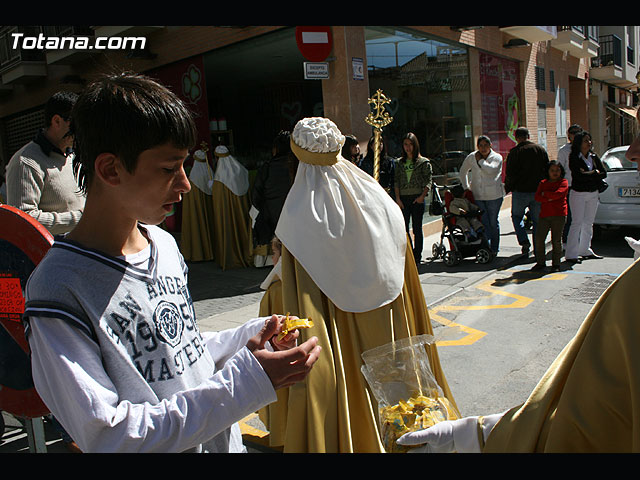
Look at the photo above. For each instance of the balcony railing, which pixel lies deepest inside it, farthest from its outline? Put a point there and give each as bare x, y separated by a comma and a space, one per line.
610, 52
10, 56
589, 32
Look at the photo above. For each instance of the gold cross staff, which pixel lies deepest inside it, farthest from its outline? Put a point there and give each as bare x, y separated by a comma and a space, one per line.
378, 121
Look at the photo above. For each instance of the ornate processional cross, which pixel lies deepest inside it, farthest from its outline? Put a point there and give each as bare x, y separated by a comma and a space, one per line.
378, 119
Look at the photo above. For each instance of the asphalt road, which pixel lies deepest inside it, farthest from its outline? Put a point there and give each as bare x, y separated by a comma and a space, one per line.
505, 330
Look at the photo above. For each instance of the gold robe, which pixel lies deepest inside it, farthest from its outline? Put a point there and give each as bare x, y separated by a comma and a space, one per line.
232, 228
589, 399
333, 410
196, 241
274, 416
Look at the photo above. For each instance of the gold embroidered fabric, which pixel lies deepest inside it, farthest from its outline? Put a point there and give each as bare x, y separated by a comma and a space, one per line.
314, 158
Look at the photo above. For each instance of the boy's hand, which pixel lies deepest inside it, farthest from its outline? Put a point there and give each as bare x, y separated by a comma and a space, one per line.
285, 367
289, 340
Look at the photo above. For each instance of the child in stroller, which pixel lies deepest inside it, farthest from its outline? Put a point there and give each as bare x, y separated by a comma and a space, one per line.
461, 225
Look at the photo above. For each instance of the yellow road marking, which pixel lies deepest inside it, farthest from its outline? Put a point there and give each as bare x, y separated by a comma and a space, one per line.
247, 429
473, 335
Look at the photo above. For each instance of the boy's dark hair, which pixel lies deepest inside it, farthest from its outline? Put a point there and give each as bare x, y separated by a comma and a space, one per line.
126, 114
60, 103
552, 163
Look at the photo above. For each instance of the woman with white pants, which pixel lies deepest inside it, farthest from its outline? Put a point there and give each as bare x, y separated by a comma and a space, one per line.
587, 173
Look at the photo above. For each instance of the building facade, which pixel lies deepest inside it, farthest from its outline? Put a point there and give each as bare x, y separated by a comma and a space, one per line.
447, 84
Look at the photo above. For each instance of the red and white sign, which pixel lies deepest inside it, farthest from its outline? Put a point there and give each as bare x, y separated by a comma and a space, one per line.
23, 243
315, 42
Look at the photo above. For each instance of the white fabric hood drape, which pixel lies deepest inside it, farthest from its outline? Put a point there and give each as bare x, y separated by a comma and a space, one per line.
231, 172
345, 231
274, 275
200, 174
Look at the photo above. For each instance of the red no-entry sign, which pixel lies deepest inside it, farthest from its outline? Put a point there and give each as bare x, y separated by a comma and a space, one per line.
23, 243
314, 42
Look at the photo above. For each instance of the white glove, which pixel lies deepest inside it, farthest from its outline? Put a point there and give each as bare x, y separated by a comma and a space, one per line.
635, 245
462, 435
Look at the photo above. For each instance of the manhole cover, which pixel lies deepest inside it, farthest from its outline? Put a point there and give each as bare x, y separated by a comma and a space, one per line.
591, 290
443, 279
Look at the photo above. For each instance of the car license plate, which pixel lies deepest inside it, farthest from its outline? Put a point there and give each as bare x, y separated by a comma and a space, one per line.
629, 192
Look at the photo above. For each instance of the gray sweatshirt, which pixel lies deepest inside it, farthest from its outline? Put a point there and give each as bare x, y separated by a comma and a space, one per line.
118, 357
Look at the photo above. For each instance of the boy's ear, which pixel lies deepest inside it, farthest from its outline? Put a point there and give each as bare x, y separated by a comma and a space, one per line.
107, 168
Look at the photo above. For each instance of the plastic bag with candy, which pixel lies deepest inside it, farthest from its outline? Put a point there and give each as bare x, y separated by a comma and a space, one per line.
408, 395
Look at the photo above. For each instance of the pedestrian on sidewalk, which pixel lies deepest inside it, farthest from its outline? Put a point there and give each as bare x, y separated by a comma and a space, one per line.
563, 159
40, 177
526, 167
552, 196
412, 183
116, 352
485, 167
588, 174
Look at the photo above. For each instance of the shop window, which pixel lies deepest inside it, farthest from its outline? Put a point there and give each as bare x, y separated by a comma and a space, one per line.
427, 81
257, 86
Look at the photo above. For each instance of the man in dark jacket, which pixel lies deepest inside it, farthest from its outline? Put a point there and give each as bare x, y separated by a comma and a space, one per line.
272, 184
526, 165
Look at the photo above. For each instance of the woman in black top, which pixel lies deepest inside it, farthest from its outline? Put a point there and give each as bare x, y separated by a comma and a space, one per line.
587, 174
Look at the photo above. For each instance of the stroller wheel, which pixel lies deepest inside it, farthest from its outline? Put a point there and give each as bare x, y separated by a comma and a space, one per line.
437, 250
452, 258
483, 255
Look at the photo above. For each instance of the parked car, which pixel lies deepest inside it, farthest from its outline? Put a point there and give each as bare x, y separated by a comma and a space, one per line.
620, 203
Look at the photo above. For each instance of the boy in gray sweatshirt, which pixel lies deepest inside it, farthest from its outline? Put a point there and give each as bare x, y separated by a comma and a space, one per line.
117, 355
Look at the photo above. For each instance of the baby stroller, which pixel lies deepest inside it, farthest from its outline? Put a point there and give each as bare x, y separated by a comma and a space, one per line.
461, 245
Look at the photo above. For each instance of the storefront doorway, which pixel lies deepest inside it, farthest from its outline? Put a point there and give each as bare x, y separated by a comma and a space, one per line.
256, 88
